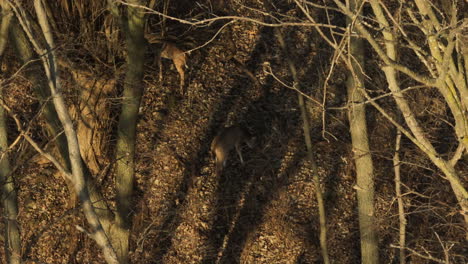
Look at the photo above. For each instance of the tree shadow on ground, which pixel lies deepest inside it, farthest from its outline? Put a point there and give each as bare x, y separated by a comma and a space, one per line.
256, 184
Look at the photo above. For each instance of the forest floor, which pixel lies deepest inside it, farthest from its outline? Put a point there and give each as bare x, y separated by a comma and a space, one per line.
262, 212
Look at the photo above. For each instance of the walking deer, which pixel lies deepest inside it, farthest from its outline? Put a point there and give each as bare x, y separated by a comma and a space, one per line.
227, 139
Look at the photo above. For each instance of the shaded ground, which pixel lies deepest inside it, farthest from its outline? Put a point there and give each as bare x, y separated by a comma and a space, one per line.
263, 212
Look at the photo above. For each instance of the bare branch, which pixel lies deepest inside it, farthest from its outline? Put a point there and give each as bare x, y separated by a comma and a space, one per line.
212, 38
208, 21
373, 99
387, 60
34, 144
429, 257
267, 70
457, 155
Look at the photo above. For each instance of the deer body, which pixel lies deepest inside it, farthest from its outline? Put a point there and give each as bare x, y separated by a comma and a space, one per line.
228, 139
169, 50
172, 52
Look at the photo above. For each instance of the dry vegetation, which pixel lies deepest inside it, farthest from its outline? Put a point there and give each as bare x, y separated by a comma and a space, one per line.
262, 212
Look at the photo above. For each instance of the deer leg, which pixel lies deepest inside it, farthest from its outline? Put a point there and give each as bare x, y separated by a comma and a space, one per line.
158, 61
182, 78
219, 167
179, 63
239, 152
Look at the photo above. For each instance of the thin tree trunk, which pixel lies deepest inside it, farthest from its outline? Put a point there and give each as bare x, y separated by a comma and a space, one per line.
401, 207
364, 176
133, 27
361, 151
310, 154
8, 196
8, 192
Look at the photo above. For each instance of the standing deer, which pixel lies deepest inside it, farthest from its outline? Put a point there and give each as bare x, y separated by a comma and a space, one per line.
227, 139
169, 50
172, 52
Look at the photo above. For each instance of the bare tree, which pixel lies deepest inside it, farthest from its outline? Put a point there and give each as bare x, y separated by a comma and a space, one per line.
449, 80
446, 72
35, 72
47, 56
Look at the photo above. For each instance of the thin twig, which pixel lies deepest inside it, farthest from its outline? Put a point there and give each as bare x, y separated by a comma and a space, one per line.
379, 97
429, 257
213, 38
268, 71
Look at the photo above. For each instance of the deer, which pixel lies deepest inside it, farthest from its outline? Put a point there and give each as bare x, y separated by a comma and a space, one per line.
226, 140
171, 51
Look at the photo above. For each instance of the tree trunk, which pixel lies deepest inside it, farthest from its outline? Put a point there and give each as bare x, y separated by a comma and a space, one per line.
8, 195
361, 152
399, 196
8, 192
133, 28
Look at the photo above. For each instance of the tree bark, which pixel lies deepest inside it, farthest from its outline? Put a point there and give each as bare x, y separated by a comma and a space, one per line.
133, 27
361, 151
